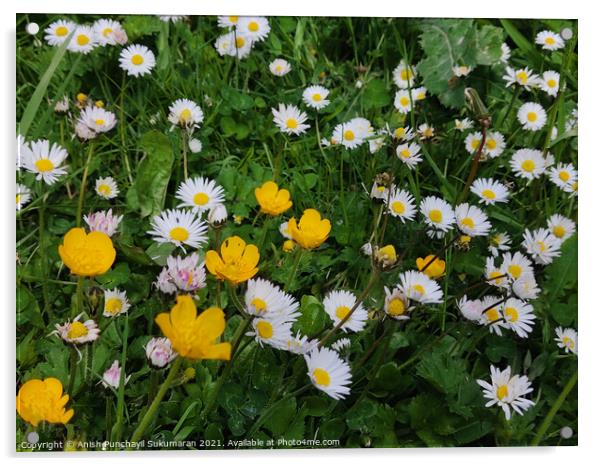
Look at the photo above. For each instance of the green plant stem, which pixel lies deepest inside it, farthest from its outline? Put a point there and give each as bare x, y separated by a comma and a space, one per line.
543, 427
474, 167
297, 260
509, 108
79, 297
42, 250
72, 370
124, 154
148, 416
117, 430
185, 154
82, 188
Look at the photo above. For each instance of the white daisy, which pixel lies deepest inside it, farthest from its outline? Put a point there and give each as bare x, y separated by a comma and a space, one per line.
284, 231
437, 213
495, 276
471, 220
526, 287
264, 299
83, 41
419, 287
507, 391
179, 227
464, 124
528, 163
403, 133
472, 142
338, 304
491, 314
159, 352
256, 28
58, 31
566, 339
290, 120
106, 31
549, 40
341, 345
404, 75
328, 372
402, 101
489, 191
316, 97
199, 193
77, 332
532, 116
350, 134
563, 175
217, 215
498, 242
103, 221
116, 303
516, 265
561, 227
419, 93
44, 160
300, 344
112, 376
401, 205
182, 273
549, 82
426, 131
409, 154
23, 195
494, 144
227, 21
542, 245
234, 44
106, 187
137, 60
523, 77
280, 67
461, 70
195, 145
506, 52
397, 304
378, 142
185, 113
470, 309
274, 331
97, 119
519, 316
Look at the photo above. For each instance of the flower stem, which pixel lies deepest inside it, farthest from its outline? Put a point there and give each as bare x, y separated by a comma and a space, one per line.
121, 389
475, 165
143, 424
185, 154
82, 188
42, 250
291, 277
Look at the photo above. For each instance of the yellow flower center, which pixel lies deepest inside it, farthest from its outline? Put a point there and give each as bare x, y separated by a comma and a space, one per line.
436, 215
542, 246
265, 329
18, 198
200, 199
488, 193
420, 96
511, 314
550, 41
316, 97
491, 144
106, 32
380, 189
137, 59
521, 77
405, 74
321, 377
179, 234
528, 166
502, 392
400, 132
559, 231
532, 116
552, 83
497, 276
465, 239
396, 307
405, 153
404, 101
515, 270
260, 305
82, 40
492, 315
240, 42
104, 189
253, 26
419, 289
61, 31
568, 342
342, 312
291, 123
564, 176
348, 135
468, 222
398, 207
278, 68
233, 19
114, 306
44, 165
77, 330
100, 122
475, 143
185, 115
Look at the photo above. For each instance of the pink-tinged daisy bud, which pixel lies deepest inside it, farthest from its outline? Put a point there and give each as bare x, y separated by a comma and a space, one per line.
159, 352
112, 375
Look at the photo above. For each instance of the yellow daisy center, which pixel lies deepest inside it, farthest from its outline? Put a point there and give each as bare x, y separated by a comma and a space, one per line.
405, 74
253, 26
291, 123
100, 122
44, 165
552, 83
61, 31
106, 32
233, 19
528, 166
400, 132
200, 199
559, 231
502, 392
564, 176
515, 270
240, 42
77, 330
114, 306
380, 189
492, 315
179, 234
260, 305
278, 68
398, 207
396, 307
104, 189
497, 276
550, 41
137, 59
568, 342
542, 246
475, 143
18, 198
436, 215
521, 77
468, 222
419, 289
404, 101
491, 144
488, 193
82, 40
349, 135
342, 312
321, 377
405, 153
316, 97
532, 116
265, 329
185, 115
511, 314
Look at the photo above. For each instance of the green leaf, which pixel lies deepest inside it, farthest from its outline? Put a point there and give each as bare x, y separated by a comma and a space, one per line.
313, 317
562, 273
376, 95
277, 422
237, 99
159, 252
488, 42
119, 275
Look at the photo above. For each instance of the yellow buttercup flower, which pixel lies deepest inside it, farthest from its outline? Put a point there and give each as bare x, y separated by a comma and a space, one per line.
237, 263
386, 255
312, 230
288, 245
43, 400
192, 336
435, 270
87, 255
273, 201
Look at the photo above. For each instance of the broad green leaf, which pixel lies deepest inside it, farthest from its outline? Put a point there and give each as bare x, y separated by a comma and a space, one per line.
313, 317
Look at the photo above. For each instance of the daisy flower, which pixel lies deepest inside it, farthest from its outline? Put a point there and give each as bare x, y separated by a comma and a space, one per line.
274, 331
300, 344
185, 113
419, 287
328, 372
105, 31
179, 227
491, 315
471, 220
532, 116
523, 77
23, 195
549, 40
397, 304
159, 352
376, 143
561, 227
403, 133
426, 131
549, 82
44, 160
461, 70
409, 154
541, 245
234, 44
77, 332
217, 215
351, 134
493, 147
489, 191
255, 28
97, 119
404, 75
199, 193
464, 124
195, 145
472, 142
227, 21
316, 97
498, 242
401, 204
112, 376
83, 41
58, 31
402, 101
516, 265
182, 273
341, 345
137, 60
495, 276
507, 391
106, 188
506, 52
419, 94
264, 299
290, 120
528, 163
566, 339
526, 287
338, 304
519, 316
103, 221
563, 175
437, 213
116, 303
280, 67
470, 309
